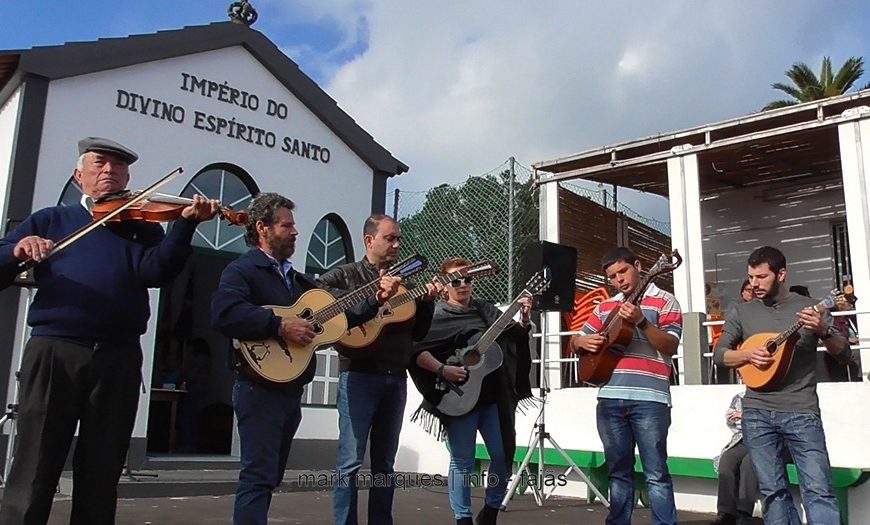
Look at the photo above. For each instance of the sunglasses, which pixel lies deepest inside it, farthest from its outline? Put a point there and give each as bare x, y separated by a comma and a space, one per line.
459, 282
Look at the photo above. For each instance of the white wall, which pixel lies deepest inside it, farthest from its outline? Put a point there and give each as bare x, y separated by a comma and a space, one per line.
8, 125
738, 222
697, 430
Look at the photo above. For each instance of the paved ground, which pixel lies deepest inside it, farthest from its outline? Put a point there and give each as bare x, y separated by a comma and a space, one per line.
416, 506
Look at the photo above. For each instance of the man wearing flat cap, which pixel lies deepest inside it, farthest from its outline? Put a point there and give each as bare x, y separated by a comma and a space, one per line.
82, 364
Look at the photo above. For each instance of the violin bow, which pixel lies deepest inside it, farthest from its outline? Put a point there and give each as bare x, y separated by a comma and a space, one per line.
88, 228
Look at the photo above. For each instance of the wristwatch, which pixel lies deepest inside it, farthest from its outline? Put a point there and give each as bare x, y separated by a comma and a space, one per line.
643, 324
829, 333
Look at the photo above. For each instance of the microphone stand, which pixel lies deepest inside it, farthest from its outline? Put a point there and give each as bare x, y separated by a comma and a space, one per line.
537, 444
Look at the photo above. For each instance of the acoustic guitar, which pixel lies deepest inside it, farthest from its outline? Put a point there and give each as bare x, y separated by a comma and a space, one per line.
483, 356
597, 368
279, 361
402, 306
781, 347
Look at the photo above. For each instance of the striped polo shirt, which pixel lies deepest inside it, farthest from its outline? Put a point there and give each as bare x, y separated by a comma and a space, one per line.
642, 374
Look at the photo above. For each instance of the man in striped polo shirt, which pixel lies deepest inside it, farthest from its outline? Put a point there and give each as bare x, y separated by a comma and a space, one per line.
634, 406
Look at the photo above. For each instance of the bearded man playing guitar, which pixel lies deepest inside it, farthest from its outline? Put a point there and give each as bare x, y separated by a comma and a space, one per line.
634, 405
784, 412
268, 413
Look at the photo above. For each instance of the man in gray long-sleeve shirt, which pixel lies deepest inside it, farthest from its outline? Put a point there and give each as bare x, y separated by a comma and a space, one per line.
786, 413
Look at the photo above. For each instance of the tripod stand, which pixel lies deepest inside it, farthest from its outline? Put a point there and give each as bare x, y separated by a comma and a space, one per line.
537, 444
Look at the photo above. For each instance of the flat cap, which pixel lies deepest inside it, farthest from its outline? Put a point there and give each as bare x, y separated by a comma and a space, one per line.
108, 146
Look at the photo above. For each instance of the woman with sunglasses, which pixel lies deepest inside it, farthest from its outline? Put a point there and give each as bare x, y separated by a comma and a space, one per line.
457, 318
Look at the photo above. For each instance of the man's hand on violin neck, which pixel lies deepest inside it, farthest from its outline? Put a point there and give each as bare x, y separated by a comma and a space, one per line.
32, 247
201, 209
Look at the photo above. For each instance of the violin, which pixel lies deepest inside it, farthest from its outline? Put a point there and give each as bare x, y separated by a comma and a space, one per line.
157, 208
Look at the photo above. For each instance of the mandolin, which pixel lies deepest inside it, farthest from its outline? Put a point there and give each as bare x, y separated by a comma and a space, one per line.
279, 361
598, 367
781, 347
402, 306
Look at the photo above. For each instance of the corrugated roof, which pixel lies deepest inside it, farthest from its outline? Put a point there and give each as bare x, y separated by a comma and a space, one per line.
797, 143
80, 58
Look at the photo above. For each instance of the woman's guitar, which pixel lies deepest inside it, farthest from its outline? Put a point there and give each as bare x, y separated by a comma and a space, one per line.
598, 367
781, 347
278, 361
402, 306
483, 356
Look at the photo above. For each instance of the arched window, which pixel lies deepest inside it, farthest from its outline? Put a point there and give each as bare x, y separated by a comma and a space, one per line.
71, 194
234, 189
226, 183
330, 245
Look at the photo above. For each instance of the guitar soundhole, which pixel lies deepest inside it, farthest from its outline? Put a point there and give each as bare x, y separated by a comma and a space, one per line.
771, 347
471, 358
307, 315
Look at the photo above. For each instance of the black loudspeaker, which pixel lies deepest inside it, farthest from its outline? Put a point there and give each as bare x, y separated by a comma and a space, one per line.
561, 263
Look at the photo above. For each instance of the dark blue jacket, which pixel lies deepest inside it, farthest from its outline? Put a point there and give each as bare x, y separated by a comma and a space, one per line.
97, 288
249, 283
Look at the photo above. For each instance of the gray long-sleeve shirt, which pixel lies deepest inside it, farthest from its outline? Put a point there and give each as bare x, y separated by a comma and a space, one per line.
797, 391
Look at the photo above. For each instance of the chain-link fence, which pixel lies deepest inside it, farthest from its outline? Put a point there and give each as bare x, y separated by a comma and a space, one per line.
492, 216
604, 198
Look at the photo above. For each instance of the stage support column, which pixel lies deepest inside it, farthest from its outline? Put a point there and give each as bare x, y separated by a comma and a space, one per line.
854, 134
551, 323
685, 208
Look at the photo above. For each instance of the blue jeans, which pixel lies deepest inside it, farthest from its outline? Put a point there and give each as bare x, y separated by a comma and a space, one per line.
461, 435
369, 405
765, 432
267, 421
622, 424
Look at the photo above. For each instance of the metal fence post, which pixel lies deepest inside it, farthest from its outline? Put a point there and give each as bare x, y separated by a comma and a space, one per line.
695, 345
396, 204
511, 232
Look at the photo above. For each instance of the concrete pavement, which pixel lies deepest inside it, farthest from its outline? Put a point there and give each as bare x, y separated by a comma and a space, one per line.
173, 498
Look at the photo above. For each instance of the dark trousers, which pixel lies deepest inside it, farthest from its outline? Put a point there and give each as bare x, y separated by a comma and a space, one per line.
267, 421
64, 383
738, 484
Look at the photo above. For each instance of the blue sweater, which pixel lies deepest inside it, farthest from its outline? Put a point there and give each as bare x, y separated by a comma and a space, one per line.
97, 288
250, 282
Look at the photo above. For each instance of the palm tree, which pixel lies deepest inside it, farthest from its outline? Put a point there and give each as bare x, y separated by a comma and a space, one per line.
807, 87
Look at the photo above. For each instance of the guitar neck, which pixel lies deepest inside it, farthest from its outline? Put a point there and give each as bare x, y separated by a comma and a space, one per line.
346, 302
409, 296
420, 291
784, 336
637, 294
499, 325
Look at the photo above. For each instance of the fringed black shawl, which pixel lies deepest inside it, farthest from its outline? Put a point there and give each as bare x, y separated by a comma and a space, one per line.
451, 329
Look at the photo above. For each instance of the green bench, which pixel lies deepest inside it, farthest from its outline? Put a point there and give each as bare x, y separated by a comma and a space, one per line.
593, 465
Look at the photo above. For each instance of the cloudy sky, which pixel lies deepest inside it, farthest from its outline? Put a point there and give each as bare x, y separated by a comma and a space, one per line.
454, 88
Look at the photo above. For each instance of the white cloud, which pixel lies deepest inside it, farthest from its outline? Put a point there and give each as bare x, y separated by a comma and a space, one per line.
454, 88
